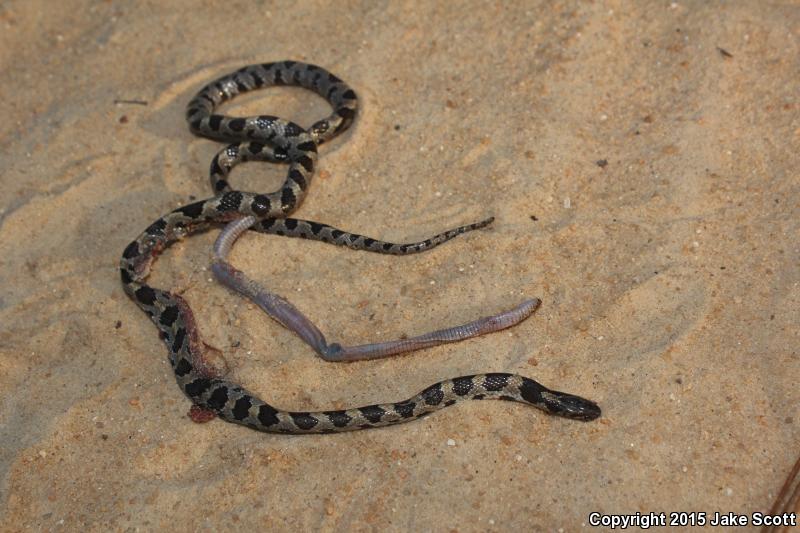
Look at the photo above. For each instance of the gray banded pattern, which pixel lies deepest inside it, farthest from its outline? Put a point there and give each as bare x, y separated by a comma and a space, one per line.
273, 139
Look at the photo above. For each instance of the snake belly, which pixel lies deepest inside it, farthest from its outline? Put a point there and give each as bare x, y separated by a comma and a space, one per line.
270, 138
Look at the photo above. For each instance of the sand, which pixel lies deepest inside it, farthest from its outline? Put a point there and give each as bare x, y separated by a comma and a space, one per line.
640, 159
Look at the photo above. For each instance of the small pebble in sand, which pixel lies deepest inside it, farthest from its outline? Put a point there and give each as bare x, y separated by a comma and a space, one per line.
451, 442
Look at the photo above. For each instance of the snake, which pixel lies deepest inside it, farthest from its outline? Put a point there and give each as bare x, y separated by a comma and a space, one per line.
270, 138
286, 314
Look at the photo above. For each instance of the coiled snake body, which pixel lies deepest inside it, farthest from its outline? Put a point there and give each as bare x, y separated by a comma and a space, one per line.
270, 138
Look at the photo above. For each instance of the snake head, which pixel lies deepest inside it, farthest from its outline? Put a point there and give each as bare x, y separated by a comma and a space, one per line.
570, 406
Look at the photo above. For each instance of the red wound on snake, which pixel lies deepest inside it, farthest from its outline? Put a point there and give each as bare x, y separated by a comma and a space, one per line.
200, 415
